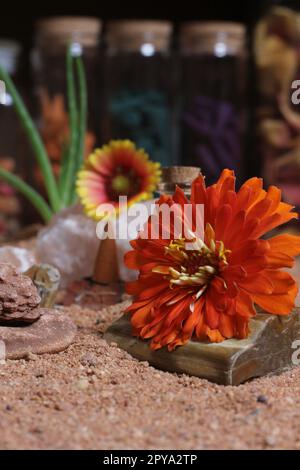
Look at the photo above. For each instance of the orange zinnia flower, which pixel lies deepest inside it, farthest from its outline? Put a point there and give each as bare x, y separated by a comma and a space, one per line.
210, 292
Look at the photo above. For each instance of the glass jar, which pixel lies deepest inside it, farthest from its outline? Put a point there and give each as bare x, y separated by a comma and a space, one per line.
10, 143
277, 57
213, 96
49, 74
138, 86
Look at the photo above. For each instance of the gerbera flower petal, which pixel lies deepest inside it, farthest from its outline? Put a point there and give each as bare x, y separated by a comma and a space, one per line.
117, 169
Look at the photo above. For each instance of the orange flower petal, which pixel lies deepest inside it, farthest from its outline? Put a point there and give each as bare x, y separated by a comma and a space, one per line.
286, 243
210, 292
226, 326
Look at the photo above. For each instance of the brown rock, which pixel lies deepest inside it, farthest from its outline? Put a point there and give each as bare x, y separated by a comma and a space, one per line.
267, 350
19, 297
52, 333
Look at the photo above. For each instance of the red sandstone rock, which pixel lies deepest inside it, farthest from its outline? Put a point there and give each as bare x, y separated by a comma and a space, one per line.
19, 297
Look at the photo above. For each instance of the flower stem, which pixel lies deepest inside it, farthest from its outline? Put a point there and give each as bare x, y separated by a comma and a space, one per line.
33, 196
70, 161
63, 168
82, 115
35, 140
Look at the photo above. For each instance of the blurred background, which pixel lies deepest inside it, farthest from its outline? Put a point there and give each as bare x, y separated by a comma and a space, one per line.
194, 83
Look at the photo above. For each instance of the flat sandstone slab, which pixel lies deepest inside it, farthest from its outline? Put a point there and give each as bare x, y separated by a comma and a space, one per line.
267, 350
52, 333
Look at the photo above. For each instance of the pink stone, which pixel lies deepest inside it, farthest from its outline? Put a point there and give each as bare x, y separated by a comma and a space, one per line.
52, 333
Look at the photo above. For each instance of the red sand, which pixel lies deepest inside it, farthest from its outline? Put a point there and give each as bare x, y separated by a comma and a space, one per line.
95, 396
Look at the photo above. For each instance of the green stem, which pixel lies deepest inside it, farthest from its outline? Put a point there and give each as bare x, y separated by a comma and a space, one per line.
35, 140
33, 196
70, 162
63, 168
82, 109
82, 116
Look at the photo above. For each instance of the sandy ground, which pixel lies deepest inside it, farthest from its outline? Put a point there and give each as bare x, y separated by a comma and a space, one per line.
96, 396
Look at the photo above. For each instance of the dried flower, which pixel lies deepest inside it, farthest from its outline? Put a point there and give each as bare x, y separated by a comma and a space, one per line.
210, 292
117, 169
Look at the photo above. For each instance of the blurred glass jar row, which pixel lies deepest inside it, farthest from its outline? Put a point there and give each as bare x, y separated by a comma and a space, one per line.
181, 108
182, 99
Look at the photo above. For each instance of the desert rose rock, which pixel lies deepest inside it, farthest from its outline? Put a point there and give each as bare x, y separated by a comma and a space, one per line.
52, 333
19, 298
70, 244
27, 329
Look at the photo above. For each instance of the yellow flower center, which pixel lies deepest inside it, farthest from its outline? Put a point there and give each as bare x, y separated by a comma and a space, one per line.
121, 184
195, 263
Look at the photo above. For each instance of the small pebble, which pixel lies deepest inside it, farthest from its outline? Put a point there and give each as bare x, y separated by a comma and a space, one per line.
262, 399
31, 357
270, 441
82, 384
89, 359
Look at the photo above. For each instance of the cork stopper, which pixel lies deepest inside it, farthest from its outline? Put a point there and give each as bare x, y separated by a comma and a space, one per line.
136, 35
63, 29
219, 38
181, 176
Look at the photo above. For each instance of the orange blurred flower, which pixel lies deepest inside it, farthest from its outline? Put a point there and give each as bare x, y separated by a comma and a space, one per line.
210, 292
55, 132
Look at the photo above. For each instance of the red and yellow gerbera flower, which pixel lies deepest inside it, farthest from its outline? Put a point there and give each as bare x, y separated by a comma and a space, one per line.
117, 169
210, 292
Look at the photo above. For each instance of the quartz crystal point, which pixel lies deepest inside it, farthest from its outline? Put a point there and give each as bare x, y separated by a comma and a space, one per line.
70, 244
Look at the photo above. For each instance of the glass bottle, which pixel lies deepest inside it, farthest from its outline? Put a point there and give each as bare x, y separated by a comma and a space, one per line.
10, 141
138, 86
49, 74
213, 82
277, 58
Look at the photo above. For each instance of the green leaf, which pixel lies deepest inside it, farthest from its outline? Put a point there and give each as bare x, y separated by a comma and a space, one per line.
63, 168
82, 118
70, 165
33, 196
35, 141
